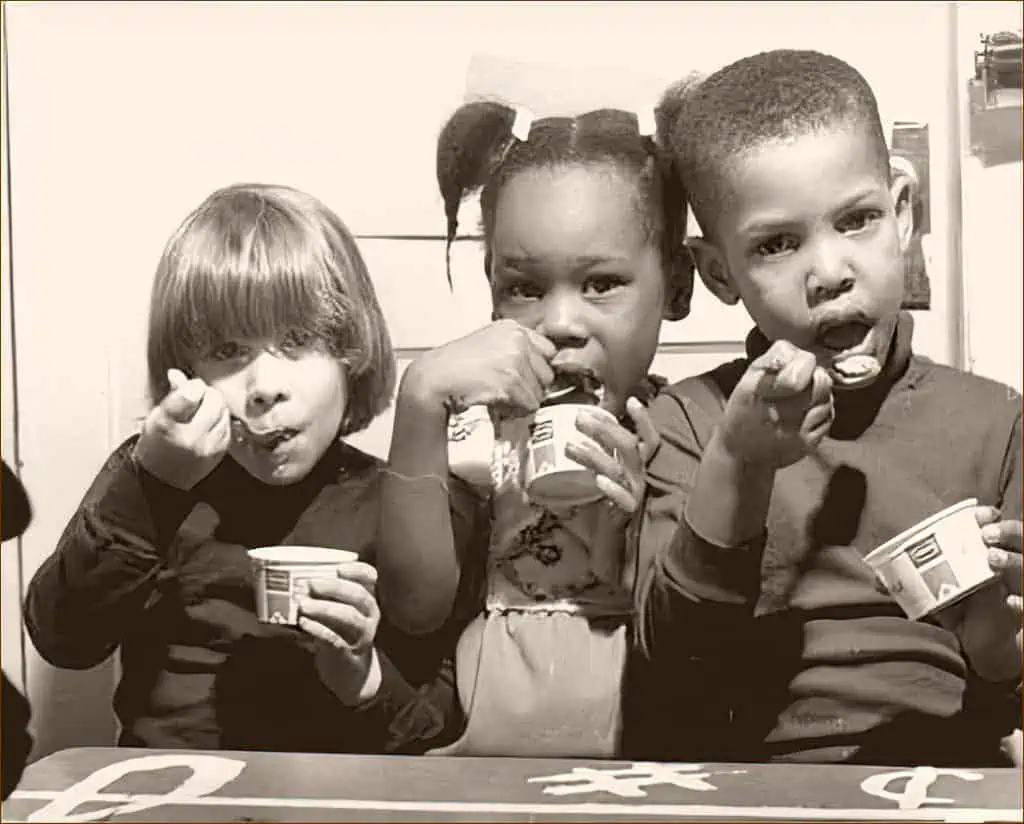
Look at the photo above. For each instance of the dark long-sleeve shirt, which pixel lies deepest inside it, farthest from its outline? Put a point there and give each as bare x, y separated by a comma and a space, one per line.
164, 576
786, 648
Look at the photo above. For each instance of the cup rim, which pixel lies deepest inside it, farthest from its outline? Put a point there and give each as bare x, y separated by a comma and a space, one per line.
300, 555
894, 546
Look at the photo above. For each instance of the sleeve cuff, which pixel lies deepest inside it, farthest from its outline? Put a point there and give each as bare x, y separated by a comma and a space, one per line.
707, 572
392, 693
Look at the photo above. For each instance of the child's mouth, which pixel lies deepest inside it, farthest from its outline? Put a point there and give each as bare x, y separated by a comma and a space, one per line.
268, 439
842, 336
846, 342
274, 438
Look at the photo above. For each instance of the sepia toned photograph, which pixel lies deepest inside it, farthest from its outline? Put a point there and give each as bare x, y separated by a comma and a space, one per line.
511, 411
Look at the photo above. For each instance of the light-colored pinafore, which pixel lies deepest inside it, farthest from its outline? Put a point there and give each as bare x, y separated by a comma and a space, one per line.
540, 671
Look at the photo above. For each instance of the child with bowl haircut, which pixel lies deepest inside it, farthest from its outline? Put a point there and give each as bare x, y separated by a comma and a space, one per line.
582, 225
777, 473
266, 346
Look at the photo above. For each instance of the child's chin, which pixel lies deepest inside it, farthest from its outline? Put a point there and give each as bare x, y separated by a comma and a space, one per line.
276, 474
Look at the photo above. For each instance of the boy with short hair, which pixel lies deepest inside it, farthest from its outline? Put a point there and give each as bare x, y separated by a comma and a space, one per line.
779, 472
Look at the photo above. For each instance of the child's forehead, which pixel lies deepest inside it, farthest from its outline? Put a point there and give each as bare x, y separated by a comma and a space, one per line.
821, 165
569, 212
830, 150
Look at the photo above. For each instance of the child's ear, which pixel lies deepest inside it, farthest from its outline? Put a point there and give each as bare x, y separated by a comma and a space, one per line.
903, 189
713, 270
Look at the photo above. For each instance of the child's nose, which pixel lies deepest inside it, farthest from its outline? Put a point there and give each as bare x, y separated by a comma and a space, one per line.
267, 381
562, 321
831, 274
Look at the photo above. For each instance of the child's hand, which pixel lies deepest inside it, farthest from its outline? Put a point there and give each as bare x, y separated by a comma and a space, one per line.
342, 614
186, 435
780, 410
1004, 556
504, 366
1007, 565
621, 462
990, 628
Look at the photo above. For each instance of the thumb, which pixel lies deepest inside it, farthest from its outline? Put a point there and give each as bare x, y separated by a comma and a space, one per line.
176, 378
184, 398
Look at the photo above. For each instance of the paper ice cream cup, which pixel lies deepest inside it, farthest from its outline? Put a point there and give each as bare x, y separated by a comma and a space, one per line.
281, 572
550, 476
935, 564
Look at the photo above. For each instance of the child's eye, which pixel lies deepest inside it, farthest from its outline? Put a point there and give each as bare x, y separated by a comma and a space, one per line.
859, 220
776, 246
601, 284
522, 290
297, 339
227, 350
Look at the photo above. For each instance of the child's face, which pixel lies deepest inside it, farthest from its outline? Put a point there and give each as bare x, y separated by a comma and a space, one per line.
290, 395
812, 245
570, 258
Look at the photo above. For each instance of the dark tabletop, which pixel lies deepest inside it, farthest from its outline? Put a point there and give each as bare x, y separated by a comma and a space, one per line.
94, 784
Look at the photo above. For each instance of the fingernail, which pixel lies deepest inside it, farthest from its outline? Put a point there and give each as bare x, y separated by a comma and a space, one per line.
990, 532
996, 558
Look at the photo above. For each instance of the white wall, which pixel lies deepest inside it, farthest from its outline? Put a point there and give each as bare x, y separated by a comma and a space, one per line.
123, 116
10, 555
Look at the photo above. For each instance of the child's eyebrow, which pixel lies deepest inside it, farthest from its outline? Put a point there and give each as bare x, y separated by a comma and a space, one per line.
769, 223
866, 193
763, 224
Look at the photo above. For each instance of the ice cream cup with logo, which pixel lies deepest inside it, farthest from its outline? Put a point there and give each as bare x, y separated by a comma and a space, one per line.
936, 564
551, 477
281, 573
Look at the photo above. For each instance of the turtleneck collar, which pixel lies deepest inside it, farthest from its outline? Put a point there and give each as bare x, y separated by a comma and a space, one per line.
856, 408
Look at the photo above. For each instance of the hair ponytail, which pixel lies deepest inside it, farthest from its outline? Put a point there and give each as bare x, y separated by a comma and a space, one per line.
469, 148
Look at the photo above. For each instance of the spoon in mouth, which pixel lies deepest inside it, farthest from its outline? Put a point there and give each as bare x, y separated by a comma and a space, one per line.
242, 431
855, 370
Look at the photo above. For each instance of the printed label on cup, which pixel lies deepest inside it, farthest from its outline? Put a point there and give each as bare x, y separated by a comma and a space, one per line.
282, 573
550, 475
935, 564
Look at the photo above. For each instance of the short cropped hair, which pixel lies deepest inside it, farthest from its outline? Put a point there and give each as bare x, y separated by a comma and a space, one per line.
771, 97
259, 261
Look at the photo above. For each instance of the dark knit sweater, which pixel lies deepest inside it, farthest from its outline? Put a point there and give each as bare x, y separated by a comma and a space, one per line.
163, 575
786, 648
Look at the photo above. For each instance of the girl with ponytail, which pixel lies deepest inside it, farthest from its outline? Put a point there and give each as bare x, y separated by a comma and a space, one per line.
583, 226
